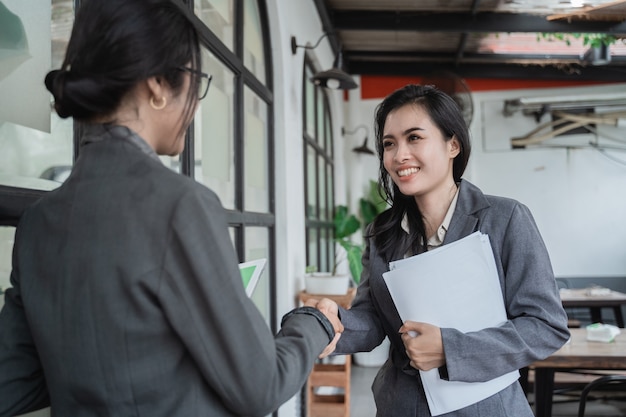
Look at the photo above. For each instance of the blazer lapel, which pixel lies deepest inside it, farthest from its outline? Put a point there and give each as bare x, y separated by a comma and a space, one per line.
464, 220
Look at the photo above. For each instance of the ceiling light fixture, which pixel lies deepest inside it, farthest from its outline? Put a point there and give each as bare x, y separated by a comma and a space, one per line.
334, 78
363, 148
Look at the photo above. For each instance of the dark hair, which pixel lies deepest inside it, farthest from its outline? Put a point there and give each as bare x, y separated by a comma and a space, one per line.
447, 116
114, 45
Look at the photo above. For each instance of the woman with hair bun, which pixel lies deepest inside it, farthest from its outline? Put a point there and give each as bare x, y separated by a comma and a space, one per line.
126, 295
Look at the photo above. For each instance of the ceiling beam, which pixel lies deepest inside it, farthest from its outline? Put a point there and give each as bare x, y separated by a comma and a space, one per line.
501, 71
391, 56
485, 22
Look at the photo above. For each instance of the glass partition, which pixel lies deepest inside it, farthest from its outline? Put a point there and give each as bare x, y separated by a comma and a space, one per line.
218, 15
214, 136
254, 52
256, 154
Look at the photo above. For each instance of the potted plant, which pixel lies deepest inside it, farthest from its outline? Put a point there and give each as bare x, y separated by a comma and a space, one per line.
346, 225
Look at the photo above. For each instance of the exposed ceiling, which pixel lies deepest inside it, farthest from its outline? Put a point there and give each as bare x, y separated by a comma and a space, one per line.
474, 38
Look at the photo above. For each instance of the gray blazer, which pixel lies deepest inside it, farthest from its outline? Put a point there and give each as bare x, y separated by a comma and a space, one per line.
128, 301
536, 326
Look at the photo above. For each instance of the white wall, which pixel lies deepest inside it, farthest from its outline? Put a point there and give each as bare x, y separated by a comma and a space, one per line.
297, 18
577, 196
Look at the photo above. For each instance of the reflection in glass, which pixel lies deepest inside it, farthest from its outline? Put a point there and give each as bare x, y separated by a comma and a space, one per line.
257, 246
256, 154
214, 134
62, 20
253, 56
29, 152
218, 15
32, 153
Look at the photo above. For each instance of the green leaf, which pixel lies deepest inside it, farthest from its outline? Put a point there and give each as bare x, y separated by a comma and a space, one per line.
345, 223
354, 253
368, 211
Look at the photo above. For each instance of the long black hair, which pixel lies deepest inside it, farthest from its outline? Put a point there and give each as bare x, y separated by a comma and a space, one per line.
447, 116
114, 45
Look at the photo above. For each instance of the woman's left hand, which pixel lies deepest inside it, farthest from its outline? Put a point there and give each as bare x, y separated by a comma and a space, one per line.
423, 345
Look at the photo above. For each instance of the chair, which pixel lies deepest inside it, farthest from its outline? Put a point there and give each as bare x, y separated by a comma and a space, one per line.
608, 381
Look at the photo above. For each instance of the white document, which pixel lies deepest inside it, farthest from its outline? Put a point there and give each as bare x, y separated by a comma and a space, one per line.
453, 286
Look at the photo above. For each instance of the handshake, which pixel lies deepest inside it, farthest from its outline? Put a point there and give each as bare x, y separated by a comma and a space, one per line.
331, 311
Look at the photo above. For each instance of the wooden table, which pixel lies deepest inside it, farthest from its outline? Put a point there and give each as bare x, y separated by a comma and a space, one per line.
578, 353
581, 298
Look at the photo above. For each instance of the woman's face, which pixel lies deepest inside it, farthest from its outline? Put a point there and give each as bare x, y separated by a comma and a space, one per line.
415, 152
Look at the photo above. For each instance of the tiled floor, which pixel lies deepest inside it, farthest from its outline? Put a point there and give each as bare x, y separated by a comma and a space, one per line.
362, 402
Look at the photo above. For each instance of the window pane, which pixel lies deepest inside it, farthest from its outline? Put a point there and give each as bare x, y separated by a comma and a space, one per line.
328, 139
27, 151
7, 235
320, 121
62, 21
312, 249
32, 153
309, 103
214, 135
218, 16
331, 198
253, 55
256, 154
322, 189
233, 235
311, 188
325, 253
257, 246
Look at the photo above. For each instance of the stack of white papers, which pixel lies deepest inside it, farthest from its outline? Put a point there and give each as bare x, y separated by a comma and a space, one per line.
453, 286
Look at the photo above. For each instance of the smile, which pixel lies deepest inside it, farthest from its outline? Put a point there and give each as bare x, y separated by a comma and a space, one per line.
408, 171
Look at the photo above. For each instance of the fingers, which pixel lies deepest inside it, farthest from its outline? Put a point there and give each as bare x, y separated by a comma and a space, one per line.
331, 346
311, 302
330, 310
423, 345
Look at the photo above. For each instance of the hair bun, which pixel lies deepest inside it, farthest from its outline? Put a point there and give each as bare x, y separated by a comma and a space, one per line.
55, 83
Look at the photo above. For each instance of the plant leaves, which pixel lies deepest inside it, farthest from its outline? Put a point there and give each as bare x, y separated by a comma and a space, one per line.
354, 253
345, 223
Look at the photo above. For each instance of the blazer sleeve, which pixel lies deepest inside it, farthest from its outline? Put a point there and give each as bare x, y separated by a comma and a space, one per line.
22, 382
537, 322
252, 370
363, 330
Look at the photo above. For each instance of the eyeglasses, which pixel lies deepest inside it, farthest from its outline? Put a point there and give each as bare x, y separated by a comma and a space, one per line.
204, 80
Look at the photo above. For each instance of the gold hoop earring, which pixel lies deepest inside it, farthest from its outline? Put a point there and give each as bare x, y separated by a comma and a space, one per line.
160, 106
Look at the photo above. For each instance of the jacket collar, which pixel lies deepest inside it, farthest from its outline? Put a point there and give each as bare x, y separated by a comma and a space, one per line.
465, 219
100, 132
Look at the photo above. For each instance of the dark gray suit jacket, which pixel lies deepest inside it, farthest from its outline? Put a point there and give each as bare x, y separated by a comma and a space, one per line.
128, 300
537, 324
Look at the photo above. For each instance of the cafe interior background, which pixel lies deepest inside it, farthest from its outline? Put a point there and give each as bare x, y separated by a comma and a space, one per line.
283, 152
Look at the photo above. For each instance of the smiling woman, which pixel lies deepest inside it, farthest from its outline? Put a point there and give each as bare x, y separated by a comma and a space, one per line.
424, 146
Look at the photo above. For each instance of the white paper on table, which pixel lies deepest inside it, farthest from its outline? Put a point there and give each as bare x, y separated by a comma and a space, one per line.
453, 286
